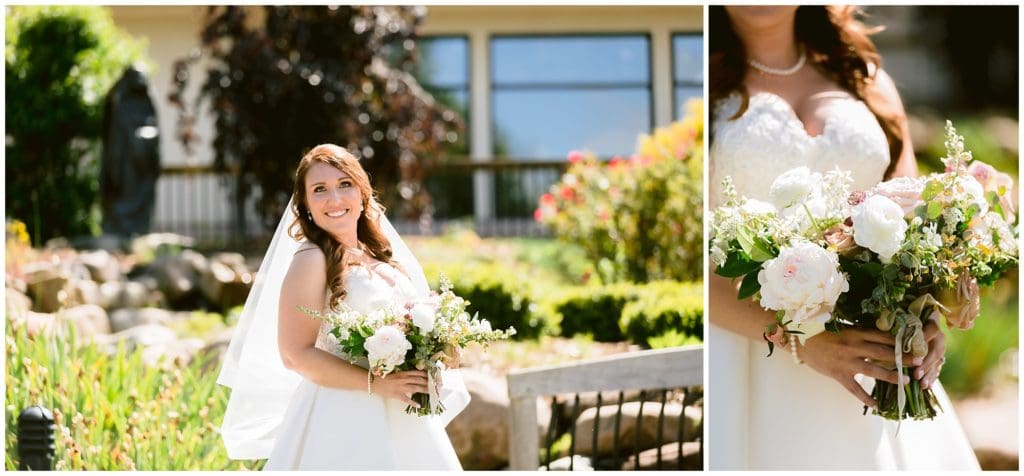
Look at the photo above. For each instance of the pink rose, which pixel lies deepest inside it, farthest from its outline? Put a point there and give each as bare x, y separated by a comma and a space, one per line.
905, 191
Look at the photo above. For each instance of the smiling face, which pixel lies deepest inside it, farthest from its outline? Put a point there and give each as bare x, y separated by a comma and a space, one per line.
334, 201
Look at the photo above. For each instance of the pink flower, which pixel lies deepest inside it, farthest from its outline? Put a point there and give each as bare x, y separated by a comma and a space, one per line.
616, 162
547, 199
575, 156
538, 215
566, 192
905, 191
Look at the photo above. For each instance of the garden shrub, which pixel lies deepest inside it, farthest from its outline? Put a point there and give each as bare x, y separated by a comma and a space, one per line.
634, 312
638, 219
60, 63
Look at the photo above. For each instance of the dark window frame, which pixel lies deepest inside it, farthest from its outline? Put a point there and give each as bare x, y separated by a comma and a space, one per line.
678, 83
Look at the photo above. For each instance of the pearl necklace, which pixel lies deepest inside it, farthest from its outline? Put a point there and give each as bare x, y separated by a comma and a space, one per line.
780, 71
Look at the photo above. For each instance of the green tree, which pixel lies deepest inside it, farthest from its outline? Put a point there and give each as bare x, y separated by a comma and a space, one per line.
293, 77
61, 61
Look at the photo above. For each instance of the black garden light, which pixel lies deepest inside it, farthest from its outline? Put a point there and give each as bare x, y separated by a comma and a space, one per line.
35, 439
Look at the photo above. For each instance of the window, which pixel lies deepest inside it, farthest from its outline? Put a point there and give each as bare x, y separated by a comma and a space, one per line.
687, 70
444, 72
556, 93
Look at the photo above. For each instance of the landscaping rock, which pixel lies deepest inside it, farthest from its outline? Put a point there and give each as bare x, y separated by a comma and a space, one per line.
126, 294
126, 318
579, 463
46, 284
178, 276
89, 320
85, 291
226, 285
628, 426
691, 458
102, 265
480, 433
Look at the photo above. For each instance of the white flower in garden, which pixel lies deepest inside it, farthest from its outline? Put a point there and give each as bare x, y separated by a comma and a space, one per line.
793, 187
423, 317
804, 280
386, 348
905, 191
879, 226
987, 229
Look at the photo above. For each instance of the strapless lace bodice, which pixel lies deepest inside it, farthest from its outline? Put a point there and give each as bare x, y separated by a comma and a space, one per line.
367, 291
769, 139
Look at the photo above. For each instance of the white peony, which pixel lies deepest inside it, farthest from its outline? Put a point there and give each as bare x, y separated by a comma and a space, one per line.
793, 187
386, 348
804, 280
879, 226
905, 191
423, 317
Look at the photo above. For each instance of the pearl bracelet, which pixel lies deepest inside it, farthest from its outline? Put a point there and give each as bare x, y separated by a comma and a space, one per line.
369, 383
792, 348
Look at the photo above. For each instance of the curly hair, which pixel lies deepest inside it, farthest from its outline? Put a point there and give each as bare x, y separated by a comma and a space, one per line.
371, 238
837, 44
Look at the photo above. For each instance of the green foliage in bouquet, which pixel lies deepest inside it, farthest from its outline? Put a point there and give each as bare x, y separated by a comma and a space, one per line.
638, 219
60, 62
112, 411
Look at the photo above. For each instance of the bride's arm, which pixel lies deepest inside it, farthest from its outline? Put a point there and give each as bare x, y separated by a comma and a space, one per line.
906, 163
838, 356
305, 285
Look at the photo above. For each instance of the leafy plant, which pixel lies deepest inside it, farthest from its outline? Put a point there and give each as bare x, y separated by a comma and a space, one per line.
296, 76
60, 63
639, 219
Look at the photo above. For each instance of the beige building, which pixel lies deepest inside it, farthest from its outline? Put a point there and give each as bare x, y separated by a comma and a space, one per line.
534, 81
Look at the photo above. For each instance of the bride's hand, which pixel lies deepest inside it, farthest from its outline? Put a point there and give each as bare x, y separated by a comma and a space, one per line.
854, 351
401, 386
928, 371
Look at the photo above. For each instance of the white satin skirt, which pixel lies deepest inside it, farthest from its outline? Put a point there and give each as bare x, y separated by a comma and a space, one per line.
773, 414
332, 429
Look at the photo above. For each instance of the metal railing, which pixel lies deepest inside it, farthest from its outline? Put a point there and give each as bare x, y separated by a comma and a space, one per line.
665, 380
198, 201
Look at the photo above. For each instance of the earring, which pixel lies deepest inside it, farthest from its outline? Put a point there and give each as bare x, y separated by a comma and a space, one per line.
309, 215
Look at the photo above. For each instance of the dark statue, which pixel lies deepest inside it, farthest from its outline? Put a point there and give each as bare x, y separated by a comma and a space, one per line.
130, 164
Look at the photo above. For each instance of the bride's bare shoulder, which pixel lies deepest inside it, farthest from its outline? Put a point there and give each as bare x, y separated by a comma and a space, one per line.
309, 260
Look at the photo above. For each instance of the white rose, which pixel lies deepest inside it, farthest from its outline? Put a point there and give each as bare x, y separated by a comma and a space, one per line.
879, 226
386, 348
905, 191
792, 187
423, 317
804, 280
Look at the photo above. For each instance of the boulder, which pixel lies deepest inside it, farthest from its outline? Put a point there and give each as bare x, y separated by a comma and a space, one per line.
146, 335
579, 463
628, 426
480, 434
46, 283
670, 458
89, 320
226, 284
126, 318
589, 400
126, 294
84, 291
178, 276
102, 265
18, 304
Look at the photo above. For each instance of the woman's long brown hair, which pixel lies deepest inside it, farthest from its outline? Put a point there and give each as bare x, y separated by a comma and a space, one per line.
368, 231
836, 43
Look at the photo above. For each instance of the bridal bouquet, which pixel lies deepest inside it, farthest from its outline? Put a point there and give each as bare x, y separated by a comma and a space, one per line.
907, 250
424, 334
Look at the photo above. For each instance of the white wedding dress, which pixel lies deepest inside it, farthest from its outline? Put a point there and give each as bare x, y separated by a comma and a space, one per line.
332, 429
771, 413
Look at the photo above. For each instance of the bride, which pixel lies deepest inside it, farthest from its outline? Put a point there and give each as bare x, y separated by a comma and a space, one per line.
801, 86
295, 398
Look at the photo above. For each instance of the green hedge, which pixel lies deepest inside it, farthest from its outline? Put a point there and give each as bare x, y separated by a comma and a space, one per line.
635, 312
